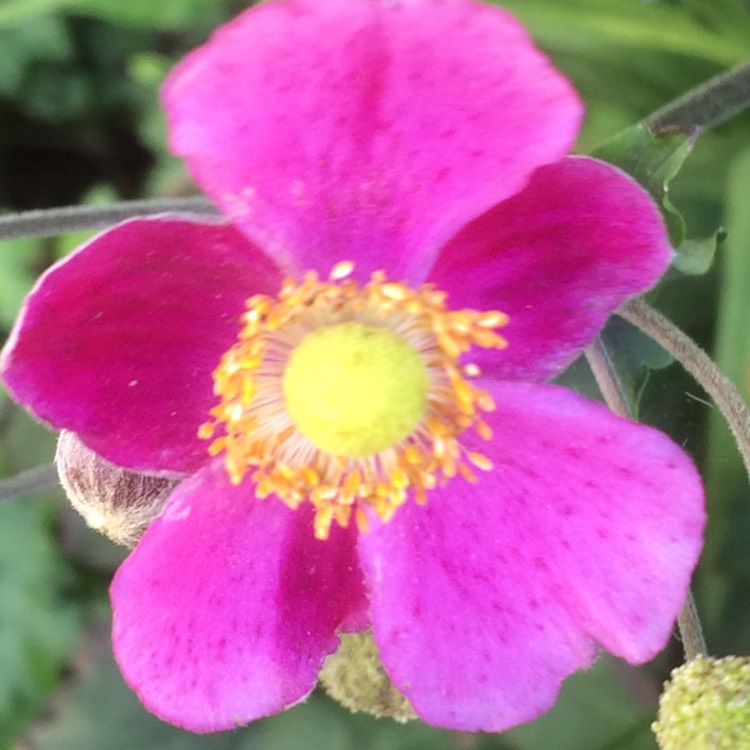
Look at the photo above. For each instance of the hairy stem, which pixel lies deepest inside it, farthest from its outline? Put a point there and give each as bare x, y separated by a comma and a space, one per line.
702, 368
607, 379
52, 221
688, 621
691, 631
33, 480
706, 106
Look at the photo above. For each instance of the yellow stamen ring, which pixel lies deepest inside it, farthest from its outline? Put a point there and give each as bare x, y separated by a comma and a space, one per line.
349, 396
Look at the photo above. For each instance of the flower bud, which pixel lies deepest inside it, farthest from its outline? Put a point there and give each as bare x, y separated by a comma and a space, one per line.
118, 503
706, 706
354, 677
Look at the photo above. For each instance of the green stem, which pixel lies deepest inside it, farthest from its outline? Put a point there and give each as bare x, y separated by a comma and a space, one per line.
702, 368
691, 631
706, 106
30, 481
605, 374
607, 379
54, 221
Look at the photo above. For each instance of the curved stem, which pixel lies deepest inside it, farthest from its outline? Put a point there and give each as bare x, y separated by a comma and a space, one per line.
706, 106
713, 381
607, 379
53, 221
688, 621
33, 480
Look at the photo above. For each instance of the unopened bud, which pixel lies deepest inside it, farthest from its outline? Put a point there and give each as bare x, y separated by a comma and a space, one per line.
706, 706
355, 678
118, 503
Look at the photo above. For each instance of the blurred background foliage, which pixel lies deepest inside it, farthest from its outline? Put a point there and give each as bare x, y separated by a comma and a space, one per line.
80, 122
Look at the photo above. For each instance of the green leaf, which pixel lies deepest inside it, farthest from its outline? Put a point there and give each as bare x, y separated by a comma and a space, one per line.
634, 355
37, 629
726, 560
696, 256
652, 161
596, 710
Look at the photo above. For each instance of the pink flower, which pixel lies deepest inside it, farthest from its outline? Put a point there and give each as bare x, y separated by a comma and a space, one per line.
425, 139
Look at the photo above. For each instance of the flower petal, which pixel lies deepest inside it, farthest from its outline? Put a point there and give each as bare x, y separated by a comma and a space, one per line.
558, 258
366, 130
586, 531
227, 607
118, 341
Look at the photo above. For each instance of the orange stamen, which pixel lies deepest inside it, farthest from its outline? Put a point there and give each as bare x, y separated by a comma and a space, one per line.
252, 428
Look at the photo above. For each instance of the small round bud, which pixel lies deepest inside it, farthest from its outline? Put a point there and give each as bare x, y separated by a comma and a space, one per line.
706, 706
118, 503
355, 678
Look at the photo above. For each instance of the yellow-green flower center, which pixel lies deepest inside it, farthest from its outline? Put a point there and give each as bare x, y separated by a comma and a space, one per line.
355, 389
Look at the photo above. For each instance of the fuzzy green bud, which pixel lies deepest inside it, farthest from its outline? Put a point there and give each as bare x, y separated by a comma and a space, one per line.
706, 706
355, 678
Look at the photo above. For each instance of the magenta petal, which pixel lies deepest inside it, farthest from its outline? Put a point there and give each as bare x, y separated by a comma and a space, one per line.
227, 607
118, 341
558, 258
366, 130
586, 532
